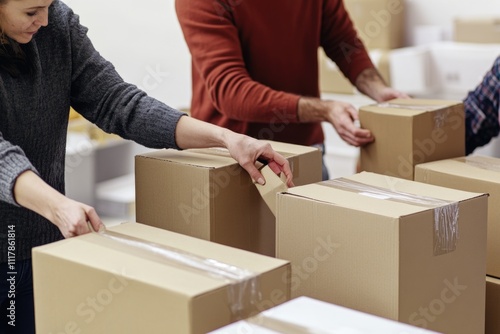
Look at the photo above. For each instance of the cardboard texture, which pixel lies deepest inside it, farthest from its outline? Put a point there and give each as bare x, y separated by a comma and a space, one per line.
206, 194
93, 284
380, 23
409, 132
492, 305
304, 315
477, 30
375, 251
477, 174
274, 185
331, 79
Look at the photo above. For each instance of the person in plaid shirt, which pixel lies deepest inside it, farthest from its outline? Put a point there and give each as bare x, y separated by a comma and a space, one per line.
481, 110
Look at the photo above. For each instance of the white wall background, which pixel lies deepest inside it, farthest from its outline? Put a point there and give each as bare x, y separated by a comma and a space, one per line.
144, 41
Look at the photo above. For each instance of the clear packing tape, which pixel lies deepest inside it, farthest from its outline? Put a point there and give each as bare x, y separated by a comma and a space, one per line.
445, 212
243, 291
439, 117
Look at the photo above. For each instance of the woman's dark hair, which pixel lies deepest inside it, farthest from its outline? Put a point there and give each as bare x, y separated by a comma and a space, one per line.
13, 59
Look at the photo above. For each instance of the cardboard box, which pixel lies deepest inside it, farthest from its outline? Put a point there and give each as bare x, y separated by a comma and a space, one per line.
380, 23
492, 305
373, 243
304, 315
477, 174
206, 194
332, 80
408, 132
477, 30
133, 279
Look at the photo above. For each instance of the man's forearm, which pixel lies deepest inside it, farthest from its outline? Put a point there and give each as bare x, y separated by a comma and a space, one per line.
370, 82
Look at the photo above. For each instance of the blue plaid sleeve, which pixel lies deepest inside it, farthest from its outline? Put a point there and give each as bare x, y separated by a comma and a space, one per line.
481, 110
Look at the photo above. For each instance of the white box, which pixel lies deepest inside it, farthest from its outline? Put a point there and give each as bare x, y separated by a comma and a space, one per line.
443, 70
79, 168
307, 315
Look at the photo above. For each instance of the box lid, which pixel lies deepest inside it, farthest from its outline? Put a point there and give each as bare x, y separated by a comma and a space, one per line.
219, 157
379, 203
408, 107
131, 263
306, 315
472, 167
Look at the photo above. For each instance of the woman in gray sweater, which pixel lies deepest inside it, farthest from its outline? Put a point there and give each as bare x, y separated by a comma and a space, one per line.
47, 64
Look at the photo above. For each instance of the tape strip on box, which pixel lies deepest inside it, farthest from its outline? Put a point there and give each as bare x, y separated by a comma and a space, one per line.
445, 212
243, 292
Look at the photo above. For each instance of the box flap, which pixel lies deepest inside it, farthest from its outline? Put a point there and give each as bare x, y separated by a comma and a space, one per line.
473, 167
409, 107
378, 204
88, 249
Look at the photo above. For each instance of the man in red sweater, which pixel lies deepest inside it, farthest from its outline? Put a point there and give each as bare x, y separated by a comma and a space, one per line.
255, 67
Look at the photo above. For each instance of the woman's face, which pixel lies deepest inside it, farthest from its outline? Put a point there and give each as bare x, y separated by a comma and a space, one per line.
21, 19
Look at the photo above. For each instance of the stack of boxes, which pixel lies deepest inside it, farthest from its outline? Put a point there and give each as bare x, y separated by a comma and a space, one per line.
377, 242
380, 26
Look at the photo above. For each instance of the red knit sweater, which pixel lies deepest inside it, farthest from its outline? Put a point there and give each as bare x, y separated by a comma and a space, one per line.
253, 59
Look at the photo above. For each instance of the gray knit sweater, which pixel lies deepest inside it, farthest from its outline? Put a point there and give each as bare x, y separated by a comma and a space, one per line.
34, 113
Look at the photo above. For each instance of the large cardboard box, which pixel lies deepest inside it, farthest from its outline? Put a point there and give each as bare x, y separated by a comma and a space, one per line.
411, 131
398, 249
380, 23
477, 174
492, 305
206, 194
332, 80
304, 315
476, 29
140, 279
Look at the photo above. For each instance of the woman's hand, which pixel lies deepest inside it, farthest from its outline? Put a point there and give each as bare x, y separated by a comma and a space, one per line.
246, 151
71, 217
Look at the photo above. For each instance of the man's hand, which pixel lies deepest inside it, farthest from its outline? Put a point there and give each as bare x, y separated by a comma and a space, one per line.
341, 115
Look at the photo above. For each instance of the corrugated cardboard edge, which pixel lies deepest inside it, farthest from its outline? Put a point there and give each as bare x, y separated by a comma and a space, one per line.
274, 184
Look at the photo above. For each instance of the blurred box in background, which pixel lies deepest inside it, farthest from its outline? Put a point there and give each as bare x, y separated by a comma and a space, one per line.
380, 23
332, 80
476, 30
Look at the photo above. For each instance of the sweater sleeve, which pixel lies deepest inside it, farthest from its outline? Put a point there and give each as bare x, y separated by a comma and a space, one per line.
340, 40
482, 106
100, 95
13, 162
214, 43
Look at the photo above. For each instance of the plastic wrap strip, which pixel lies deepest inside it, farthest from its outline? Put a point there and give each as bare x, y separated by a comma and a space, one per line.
243, 292
495, 167
445, 212
439, 118
409, 106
